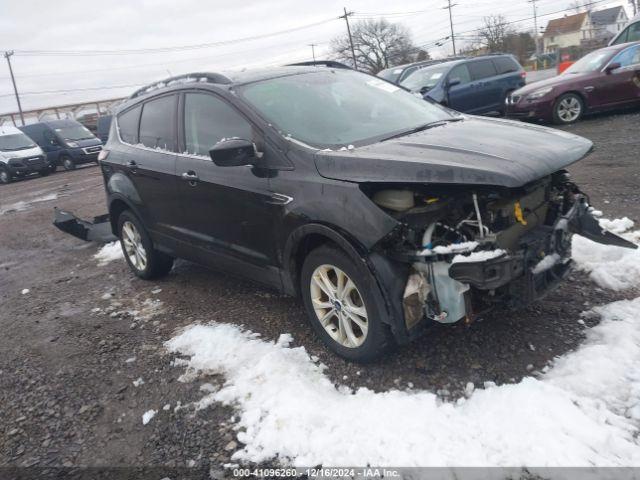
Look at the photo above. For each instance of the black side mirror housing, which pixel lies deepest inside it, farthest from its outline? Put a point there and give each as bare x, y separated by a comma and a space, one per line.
234, 152
453, 82
611, 67
424, 90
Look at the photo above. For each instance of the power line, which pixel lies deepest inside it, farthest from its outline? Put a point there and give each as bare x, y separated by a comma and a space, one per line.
165, 49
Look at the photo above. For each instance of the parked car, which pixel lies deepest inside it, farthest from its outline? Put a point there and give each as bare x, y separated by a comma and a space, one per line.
398, 73
631, 33
104, 125
65, 142
477, 85
605, 79
384, 212
19, 155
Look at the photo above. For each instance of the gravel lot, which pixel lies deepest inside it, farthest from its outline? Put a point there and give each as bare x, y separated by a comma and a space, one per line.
73, 349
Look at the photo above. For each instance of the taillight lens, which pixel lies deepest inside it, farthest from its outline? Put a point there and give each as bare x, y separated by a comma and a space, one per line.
103, 155
523, 74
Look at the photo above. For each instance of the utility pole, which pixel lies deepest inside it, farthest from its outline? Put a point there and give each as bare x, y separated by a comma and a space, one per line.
313, 51
535, 25
453, 38
353, 51
7, 55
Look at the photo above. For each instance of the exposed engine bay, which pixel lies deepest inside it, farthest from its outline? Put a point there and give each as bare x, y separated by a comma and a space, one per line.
470, 249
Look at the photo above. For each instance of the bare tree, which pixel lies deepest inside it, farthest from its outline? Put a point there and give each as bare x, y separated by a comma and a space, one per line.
494, 33
635, 6
583, 5
378, 45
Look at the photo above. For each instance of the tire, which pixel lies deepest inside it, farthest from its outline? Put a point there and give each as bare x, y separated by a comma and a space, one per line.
44, 172
145, 261
5, 176
362, 344
53, 167
67, 162
568, 109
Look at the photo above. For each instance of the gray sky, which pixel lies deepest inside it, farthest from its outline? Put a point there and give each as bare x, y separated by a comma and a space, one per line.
64, 25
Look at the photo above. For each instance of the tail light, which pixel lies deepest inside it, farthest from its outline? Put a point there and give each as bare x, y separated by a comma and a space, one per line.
523, 74
103, 155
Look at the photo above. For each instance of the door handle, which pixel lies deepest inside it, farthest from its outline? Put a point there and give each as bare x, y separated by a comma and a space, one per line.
131, 165
191, 177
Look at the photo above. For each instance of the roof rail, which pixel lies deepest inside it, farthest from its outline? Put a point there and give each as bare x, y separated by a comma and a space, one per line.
204, 77
320, 63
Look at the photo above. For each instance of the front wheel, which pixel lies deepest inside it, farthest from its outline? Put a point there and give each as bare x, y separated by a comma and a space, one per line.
341, 298
68, 163
44, 172
568, 109
145, 261
5, 176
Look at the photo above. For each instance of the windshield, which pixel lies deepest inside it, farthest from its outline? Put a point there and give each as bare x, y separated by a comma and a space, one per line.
330, 108
589, 63
13, 142
74, 132
391, 74
425, 77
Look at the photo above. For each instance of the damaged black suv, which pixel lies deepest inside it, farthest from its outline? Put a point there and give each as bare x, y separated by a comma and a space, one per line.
384, 212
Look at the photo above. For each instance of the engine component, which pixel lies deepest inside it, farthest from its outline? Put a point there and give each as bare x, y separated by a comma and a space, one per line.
396, 200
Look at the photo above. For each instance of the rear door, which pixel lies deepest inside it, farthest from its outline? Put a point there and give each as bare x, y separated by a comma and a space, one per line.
510, 74
228, 212
486, 85
148, 157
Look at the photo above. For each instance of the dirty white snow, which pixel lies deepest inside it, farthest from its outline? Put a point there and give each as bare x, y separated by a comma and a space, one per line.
610, 267
108, 253
480, 256
25, 204
583, 411
546, 263
148, 415
24, 291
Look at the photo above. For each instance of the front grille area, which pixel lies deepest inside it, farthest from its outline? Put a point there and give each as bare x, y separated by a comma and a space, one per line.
33, 163
515, 98
90, 150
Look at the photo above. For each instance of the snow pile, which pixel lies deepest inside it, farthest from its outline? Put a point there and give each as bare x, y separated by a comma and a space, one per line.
108, 253
584, 412
610, 267
148, 415
480, 256
546, 263
23, 205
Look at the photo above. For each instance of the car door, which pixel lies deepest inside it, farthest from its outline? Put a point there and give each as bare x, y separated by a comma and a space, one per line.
227, 211
488, 93
148, 158
461, 97
621, 85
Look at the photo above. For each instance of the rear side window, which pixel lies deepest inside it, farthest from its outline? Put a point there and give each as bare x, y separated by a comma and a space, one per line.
481, 69
208, 119
633, 33
460, 72
128, 125
506, 65
157, 123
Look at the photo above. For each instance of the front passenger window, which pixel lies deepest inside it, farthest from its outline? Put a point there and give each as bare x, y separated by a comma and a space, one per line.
208, 119
461, 72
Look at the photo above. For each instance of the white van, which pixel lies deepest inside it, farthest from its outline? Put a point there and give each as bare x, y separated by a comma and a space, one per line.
19, 155
631, 33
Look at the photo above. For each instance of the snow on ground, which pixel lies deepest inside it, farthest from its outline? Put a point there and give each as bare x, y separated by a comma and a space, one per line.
23, 205
108, 253
585, 411
610, 267
148, 415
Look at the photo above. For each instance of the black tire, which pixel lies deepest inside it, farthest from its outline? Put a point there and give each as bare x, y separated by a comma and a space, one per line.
44, 172
158, 264
5, 176
67, 162
53, 167
378, 339
561, 104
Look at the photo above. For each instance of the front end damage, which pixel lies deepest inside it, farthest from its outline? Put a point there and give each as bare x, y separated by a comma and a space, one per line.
470, 251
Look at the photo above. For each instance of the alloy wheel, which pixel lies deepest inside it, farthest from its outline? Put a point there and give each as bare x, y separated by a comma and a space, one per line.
569, 109
133, 247
4, 176
339, 306
68, 164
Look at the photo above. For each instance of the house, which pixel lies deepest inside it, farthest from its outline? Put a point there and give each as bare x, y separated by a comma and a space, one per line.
567, 31
609, 22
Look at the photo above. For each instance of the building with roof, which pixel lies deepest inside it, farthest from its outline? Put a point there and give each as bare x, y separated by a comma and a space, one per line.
567, 31
609, 22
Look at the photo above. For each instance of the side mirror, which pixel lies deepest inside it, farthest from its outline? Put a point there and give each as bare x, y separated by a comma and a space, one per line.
611, 67
234, 152
424, 90
453, 82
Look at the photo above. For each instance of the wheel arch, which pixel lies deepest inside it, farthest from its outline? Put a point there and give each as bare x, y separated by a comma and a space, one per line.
117, 205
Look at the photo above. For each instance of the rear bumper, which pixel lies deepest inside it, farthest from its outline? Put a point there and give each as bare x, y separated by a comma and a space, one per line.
98, 230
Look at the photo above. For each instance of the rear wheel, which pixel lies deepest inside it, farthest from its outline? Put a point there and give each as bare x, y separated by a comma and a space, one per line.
68, 163
145, 261
341, 298
5, 176
568, 109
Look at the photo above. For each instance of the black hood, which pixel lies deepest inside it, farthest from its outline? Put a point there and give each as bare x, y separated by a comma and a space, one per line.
474, 151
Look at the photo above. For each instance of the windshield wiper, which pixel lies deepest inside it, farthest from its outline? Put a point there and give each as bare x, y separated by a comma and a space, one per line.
421, 128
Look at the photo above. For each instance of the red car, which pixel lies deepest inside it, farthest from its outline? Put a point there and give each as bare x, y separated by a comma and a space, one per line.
604, 79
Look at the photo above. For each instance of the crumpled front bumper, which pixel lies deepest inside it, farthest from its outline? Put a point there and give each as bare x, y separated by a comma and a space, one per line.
99, 230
